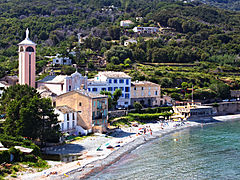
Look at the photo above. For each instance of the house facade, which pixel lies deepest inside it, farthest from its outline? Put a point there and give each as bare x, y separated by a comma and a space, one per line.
148, 30
62, 83
110, 81
146, 93
58, 60
126, 23
67, 119
91, 108
130, 41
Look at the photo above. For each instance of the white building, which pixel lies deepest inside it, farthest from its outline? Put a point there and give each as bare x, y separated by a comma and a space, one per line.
110, 81
62, 83
60, 60
67, 119
3, 85
148, 30
130, 41
126, 23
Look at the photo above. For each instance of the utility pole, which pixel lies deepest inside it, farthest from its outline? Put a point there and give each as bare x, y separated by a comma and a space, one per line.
192, 94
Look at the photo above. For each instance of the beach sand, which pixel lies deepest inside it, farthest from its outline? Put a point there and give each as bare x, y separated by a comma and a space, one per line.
126, 138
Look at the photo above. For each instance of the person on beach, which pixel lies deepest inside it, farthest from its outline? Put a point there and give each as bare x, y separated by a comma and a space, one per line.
144, 138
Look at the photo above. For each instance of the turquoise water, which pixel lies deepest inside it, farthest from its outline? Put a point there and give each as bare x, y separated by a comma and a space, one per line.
210, 152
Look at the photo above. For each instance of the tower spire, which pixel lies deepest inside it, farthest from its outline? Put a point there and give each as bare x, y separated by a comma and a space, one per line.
27, 34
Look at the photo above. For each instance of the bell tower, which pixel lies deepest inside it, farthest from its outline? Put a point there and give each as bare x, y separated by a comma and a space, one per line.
27, 61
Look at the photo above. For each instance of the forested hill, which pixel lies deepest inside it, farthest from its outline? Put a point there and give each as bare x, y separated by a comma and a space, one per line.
201, 32
226, 4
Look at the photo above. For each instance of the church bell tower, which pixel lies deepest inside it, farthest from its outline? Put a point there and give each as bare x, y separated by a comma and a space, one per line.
27, 61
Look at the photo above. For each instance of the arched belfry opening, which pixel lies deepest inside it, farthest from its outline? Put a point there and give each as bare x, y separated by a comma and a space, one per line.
29, 49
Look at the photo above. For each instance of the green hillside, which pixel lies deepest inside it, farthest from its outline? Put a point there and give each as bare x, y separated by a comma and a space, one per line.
200, 35
226, 4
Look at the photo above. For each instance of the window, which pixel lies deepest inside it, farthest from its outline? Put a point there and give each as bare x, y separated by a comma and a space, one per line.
54, 104
110, 81
115, 88
142, 88
89, 89
94, 89
93, 115
126, 103
127, 96
127, 81
126, 89
80, 104
61, 87
73, 124
110, 89
103, 89
122, 88
121, 81
67, 125
115, 81
73, 116
67, 117
149, 93
156, 93
69, 88
122, 94
62, 126
105, 112
135, 88
56, 61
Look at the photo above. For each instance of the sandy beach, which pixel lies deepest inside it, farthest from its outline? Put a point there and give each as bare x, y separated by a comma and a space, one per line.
97, 152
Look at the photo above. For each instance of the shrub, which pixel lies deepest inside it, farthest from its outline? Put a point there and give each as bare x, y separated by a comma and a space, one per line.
4, 156
9, 141
137, 106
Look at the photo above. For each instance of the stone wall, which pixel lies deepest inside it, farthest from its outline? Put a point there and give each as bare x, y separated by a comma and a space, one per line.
225, 108
116, 114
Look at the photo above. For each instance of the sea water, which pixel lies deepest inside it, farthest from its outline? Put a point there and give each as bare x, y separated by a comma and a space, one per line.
208, 152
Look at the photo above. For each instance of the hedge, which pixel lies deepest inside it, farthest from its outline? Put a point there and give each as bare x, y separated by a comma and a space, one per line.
9, 141
154, 110
157, 110
149, 117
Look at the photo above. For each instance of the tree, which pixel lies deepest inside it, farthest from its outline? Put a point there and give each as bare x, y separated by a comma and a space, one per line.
28, 115
176, 96
137, 106
184, 85
68, 70
222, 90
114, 32
116, 95
110, 100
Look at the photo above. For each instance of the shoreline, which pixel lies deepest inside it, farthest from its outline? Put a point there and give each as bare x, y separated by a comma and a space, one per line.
158, 134
92, 166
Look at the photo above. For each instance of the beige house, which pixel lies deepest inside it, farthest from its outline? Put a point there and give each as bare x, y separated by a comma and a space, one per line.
146, 93
91, 108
